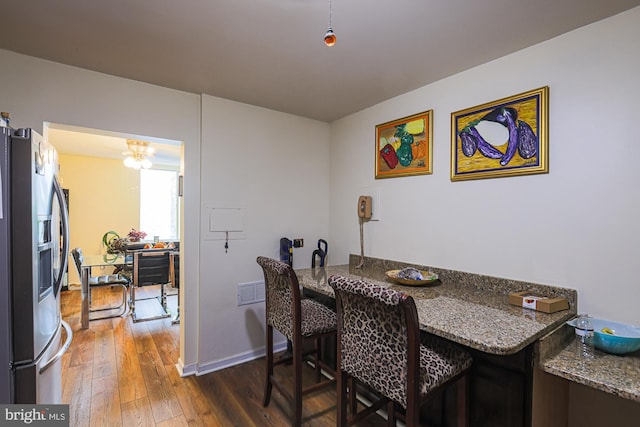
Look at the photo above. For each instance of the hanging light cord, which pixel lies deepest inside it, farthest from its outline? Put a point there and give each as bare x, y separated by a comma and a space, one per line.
361, 244
330, 37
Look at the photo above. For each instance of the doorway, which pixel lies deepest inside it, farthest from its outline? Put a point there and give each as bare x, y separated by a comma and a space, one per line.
104, 193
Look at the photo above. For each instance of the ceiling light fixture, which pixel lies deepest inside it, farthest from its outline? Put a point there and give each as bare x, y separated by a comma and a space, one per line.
330, 37
137, 154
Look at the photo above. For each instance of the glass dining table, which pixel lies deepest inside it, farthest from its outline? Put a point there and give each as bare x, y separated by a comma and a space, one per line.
90, 261
112, 260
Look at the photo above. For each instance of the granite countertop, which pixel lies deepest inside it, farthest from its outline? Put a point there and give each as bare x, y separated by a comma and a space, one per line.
617, 375
473, 315
473, 310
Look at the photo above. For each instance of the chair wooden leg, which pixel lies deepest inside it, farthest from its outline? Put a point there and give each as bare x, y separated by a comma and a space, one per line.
297, 383
412, 418
269, 366
391, 414
317, 362
341, 411
462, 397
353, 398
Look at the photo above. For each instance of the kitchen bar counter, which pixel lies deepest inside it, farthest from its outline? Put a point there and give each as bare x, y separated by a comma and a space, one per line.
617, 375
475, 315
473, 311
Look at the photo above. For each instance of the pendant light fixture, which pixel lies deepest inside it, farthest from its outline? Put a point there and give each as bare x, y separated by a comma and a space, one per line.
137, 154
330, 37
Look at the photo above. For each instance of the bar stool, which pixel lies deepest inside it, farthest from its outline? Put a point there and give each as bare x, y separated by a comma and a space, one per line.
301, 321
380, 346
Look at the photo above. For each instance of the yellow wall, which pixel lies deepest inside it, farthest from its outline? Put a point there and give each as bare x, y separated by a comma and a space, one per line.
103, 195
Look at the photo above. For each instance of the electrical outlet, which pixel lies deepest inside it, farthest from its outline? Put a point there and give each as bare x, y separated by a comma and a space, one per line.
298, 243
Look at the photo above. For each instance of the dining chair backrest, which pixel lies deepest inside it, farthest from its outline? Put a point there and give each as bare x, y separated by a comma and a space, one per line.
78, 258
379, 336
130, 248
150, 267
380, 345
282, 292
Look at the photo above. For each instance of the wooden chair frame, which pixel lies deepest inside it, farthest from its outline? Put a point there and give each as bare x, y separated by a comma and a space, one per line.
294, 397
346, 385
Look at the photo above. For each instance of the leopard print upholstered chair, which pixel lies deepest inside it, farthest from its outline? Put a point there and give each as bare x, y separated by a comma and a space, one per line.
300, 320
380, 346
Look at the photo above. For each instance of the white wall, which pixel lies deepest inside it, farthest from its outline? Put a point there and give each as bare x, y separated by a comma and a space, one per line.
275, 167
576, 227
35, 91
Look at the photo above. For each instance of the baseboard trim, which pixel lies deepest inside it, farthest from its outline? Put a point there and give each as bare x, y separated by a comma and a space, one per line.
187, 370
236, 360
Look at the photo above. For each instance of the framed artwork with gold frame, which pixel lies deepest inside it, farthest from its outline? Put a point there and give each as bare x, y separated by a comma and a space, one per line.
404, 146
506, 137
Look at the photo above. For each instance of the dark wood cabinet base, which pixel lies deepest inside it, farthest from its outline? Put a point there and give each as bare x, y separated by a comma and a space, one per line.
500, 387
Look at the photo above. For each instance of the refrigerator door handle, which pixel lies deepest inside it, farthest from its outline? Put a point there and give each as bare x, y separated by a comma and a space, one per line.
64, 219
62, 350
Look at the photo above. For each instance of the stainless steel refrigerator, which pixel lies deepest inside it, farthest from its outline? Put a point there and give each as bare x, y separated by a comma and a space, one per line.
33, 257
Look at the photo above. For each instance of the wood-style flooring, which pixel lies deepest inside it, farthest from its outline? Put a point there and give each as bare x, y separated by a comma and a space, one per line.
120, 373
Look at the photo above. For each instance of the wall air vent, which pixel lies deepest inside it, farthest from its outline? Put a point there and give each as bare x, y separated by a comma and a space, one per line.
250, 292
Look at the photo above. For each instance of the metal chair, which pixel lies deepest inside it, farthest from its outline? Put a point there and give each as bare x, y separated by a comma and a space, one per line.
150, 267
128, 249
103, 281
175, 276
300, 321
380, 346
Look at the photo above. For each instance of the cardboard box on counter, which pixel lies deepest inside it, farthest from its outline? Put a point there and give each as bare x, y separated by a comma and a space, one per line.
537, 302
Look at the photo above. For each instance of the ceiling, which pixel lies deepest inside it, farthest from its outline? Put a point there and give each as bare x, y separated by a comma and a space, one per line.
99, 143
270, 53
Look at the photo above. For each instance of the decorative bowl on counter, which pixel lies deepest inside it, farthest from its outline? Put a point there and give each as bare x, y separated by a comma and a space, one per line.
427, 277
614, 337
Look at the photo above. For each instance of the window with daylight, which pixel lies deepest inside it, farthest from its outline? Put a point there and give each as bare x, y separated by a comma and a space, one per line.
159, 204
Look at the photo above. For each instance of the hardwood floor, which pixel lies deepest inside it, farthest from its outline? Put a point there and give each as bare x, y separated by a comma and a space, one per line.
120, 373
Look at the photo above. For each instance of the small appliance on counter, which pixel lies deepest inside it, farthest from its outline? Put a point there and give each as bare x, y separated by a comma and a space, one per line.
321, 253
286, 250
33, 258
